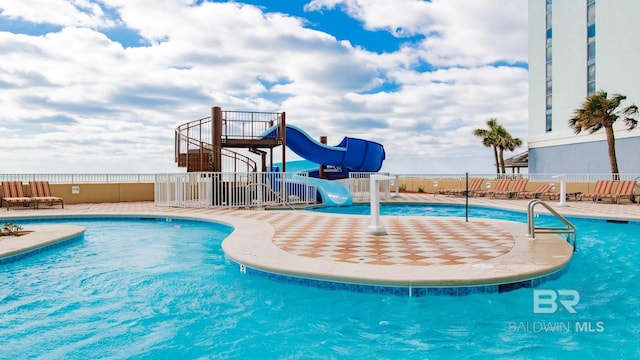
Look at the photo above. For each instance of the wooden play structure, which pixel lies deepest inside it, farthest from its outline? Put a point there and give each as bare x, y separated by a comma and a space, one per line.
204, 144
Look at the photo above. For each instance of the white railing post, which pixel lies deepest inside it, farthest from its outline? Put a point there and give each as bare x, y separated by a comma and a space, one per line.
563, 189
259, 191
376, 227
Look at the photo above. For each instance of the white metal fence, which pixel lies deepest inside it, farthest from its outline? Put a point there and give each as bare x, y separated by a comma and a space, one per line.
532, 177
586, 178
209, 189
357, 180
250, 189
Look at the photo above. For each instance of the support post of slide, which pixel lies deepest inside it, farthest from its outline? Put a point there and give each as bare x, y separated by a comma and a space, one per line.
216, 138
322, 173
283, 137
376, 227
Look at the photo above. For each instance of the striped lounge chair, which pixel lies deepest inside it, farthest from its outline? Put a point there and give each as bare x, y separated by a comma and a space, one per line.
41, 193
13, 193
602, 188
539, 192
514, 192
502, 185
624, 189
474, 185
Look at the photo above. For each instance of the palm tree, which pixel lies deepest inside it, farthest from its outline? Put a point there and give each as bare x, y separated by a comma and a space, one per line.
507, 142
599, 111
498, 137
490, 138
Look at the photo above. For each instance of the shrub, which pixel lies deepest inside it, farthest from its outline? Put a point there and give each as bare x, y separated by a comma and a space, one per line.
9, 229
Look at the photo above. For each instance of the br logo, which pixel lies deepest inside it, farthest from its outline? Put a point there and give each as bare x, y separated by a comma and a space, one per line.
546, 301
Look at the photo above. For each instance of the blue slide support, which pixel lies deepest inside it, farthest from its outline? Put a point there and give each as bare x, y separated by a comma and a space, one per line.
351, 154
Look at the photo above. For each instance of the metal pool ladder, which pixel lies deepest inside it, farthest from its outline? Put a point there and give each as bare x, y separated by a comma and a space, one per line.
569, 229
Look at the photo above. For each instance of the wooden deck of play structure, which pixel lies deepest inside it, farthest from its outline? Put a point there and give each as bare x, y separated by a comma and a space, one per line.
203, 144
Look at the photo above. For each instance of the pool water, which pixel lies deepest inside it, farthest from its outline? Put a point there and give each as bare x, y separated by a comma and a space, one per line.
163, 289
440, 210
426, 210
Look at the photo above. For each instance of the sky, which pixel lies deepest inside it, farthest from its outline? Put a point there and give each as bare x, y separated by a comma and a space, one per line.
99, 86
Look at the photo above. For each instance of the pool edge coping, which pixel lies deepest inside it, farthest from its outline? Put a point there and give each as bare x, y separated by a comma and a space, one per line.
246, 228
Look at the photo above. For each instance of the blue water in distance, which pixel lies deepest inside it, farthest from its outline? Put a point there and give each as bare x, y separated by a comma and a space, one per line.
145, 289
426, 210
438, 210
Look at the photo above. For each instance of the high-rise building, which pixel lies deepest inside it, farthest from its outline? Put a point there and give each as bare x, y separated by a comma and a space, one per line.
577, 47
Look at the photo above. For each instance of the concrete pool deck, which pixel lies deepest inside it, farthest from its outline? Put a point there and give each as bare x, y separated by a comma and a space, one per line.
416, 252
37, 237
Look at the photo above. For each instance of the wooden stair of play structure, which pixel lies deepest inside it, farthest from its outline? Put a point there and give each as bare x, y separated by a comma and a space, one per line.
199, 160
195, 150
195, 160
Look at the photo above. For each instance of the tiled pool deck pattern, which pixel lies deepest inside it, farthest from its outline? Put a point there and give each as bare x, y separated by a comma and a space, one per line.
335, 247
343, 239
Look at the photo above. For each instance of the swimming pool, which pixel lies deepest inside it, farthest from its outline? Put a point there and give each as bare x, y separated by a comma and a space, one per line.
172, 294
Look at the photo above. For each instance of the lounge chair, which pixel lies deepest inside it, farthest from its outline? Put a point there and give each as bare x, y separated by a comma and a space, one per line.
624, 189
603, 187
514, 192
539, 192
41, 193
13, 193
502, 185
474, 185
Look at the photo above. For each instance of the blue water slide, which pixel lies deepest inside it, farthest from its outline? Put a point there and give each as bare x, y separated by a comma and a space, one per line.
351, 153
332, 193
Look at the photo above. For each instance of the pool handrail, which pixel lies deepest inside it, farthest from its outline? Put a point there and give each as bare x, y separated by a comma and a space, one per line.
569, 230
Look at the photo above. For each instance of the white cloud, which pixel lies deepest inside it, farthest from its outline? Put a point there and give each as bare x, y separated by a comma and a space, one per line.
478, 32
399, 17
57, 12
76, 101
458, 32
